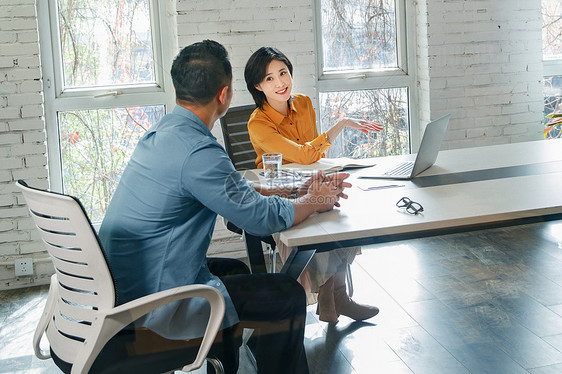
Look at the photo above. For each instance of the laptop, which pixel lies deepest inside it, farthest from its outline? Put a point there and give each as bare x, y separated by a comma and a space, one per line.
427, 154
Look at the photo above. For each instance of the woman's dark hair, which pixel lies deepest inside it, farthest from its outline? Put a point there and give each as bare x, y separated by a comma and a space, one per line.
255, 70
200, 71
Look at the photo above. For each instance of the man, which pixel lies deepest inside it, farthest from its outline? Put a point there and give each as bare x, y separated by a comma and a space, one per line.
159, 224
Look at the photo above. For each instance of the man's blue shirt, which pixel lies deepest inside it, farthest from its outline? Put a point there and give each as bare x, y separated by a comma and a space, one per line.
159, 224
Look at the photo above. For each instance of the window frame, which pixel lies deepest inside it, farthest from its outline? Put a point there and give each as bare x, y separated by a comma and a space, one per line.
402, 76
57, 99
552, 67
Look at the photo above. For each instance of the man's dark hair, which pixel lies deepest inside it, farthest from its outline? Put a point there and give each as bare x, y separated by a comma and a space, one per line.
256, 67
200, 71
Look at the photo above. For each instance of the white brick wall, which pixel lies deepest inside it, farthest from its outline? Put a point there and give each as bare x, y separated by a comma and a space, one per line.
22, 139
479, 60
243, 26
485, 67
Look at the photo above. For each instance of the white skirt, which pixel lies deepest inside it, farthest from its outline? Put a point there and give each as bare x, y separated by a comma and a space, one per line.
321, 267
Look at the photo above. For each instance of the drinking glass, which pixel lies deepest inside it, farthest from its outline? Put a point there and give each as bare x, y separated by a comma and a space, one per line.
272, 166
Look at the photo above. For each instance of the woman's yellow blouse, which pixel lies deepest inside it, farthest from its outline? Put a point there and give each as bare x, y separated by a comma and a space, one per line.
295, 135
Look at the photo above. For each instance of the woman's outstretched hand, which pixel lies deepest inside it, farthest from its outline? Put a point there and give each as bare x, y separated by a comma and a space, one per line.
358, 124
361, 125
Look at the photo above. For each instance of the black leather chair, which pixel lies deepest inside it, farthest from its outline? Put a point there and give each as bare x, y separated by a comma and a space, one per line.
237, 143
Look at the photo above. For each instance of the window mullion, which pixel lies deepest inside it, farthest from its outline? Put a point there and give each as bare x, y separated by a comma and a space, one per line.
401, 36
156, 42
372, 82
317, 25
56, 51
89, 102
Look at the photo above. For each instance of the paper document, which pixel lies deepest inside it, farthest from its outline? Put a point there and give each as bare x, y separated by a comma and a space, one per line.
332, 164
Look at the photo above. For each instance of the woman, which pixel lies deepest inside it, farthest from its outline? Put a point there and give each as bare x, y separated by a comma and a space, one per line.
286, 123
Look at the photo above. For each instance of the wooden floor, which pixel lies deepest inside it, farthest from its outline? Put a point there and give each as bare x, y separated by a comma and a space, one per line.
487, 301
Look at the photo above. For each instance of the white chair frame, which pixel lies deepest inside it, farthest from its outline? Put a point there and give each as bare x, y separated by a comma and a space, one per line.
80, 314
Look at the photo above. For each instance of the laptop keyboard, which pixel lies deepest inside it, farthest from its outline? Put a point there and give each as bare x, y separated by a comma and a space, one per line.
404, 168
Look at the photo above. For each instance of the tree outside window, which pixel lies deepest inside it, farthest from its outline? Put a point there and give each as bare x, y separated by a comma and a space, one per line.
105, 89
364, 74
96, 145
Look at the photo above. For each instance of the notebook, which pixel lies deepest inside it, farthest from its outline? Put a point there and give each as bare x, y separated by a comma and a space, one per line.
427, 154
329, 165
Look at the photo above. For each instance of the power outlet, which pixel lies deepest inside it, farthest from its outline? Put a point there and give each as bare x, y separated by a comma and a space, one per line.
24, 266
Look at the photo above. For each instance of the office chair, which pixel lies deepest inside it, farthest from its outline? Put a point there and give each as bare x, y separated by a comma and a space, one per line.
83, 324
237, 143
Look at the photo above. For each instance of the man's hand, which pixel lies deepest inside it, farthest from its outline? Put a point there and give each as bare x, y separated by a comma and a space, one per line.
303, 188
329, 188
322, 194
336, 178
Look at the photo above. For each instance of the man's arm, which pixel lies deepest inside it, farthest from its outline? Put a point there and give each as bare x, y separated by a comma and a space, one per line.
320, 193
286, 191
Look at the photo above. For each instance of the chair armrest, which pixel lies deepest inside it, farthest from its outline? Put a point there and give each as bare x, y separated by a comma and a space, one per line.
112, 321
45, 318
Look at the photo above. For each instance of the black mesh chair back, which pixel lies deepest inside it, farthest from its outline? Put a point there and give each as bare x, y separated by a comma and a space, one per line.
237, 143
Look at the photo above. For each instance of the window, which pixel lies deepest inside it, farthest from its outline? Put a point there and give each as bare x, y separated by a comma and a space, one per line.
365, 72
104, 87
552, 62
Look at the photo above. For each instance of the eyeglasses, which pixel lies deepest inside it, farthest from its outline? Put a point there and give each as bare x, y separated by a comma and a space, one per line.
411, 207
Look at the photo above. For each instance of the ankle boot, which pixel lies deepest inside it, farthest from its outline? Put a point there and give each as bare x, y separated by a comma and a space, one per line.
346, 306
326, 308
